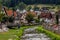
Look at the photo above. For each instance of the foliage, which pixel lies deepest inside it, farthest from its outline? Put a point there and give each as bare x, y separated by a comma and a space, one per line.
29, 17
37, 20
52, 35
29, 7
0, 7
21, 30
57, 19
13, 34
36, 8
10, 3
58, 7
1, 16
41, 1
13, 3
4, 19
11, 19
22, 6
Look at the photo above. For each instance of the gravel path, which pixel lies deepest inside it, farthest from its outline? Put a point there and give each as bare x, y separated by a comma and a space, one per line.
32, 34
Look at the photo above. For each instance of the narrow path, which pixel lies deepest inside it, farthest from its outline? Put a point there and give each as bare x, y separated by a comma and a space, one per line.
32, 34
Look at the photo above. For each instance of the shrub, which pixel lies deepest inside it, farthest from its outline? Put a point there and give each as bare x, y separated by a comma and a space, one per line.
29, 7
11, 19
52, 35
37, 20
20, 32
30, 17
36, 8
22, 6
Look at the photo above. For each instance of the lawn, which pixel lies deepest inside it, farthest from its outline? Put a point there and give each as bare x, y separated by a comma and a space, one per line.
13, 33
8, 35
50, 34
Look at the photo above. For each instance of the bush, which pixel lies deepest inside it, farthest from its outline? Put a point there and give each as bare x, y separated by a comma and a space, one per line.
22, 6
57, 19
11, 19
29, 7
52, 35
36, 8
4, 19
30, 17
37, 20
20, 31
1, 16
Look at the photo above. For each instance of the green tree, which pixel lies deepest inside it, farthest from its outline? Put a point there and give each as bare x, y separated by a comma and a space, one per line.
22, 6
0, 6
29, 17
29, 7
37, 20
11, 19
4, 19
57, 19
10, 3
36, 8
1, 16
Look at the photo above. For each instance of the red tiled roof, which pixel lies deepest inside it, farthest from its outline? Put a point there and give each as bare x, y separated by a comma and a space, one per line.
10, 13
45, 15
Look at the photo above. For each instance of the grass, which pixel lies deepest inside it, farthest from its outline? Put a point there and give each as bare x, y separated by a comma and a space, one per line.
50, 34
19, 32
10, 34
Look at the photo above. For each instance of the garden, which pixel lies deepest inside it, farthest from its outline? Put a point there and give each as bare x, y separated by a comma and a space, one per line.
15, 34
50, 34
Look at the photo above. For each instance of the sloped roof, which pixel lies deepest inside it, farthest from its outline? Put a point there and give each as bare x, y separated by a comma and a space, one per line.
46, 15
11, 13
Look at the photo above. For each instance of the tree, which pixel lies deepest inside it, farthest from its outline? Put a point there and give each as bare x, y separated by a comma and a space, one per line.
13, 3
10, 3
29, 7
37, 20
1, 16
0, 5
29, 17
11, 19
22, 6
57, 19
4, 19
36, 8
